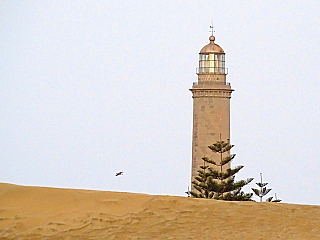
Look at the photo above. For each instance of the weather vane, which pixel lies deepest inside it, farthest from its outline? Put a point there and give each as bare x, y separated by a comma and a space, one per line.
212, 28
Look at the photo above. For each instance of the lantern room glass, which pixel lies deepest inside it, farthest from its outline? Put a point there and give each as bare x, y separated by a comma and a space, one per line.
212, 63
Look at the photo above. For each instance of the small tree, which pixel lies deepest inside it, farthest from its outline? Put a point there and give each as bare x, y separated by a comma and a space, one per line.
201, 183
275, 199
263, 189
188, 192
219, 184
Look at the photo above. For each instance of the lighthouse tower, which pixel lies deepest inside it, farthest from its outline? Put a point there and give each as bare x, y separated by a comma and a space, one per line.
211, 105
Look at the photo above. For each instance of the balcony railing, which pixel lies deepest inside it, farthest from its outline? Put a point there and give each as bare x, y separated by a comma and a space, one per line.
217, 83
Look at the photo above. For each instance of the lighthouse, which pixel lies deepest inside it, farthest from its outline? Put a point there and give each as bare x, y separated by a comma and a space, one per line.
211, 105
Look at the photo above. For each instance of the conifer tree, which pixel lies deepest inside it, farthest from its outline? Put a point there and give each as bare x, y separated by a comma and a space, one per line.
263, 189
275, 199
201, 183
220, 184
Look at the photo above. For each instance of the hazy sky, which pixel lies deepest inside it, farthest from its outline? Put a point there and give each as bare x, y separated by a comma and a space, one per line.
89, 88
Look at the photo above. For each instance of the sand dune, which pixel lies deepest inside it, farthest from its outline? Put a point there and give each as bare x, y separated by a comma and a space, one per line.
50, 213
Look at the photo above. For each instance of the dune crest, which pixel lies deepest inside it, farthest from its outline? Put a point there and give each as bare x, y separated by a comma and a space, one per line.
52, 213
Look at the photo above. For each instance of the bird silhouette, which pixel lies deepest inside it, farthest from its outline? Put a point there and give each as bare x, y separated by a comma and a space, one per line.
119, 173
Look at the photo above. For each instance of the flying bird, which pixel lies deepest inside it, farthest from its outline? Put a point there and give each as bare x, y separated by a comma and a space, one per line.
119, 173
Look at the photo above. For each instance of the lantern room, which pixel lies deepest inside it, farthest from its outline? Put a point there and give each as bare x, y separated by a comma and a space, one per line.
212, 59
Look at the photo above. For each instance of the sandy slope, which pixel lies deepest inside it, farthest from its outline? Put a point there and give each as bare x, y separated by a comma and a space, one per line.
49, 213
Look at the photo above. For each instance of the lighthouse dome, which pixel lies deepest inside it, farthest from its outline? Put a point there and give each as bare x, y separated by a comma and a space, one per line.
211, 47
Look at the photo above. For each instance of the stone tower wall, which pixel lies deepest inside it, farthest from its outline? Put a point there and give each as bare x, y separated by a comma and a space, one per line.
211, 117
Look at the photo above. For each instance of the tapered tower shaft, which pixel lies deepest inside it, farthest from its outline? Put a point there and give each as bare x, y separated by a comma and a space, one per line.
211, 105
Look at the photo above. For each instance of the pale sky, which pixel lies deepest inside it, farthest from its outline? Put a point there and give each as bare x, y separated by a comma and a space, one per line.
89, 88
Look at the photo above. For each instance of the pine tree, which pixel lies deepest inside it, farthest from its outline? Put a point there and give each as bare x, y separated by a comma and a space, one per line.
219, 184
275, 200
201, 183
263, 189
